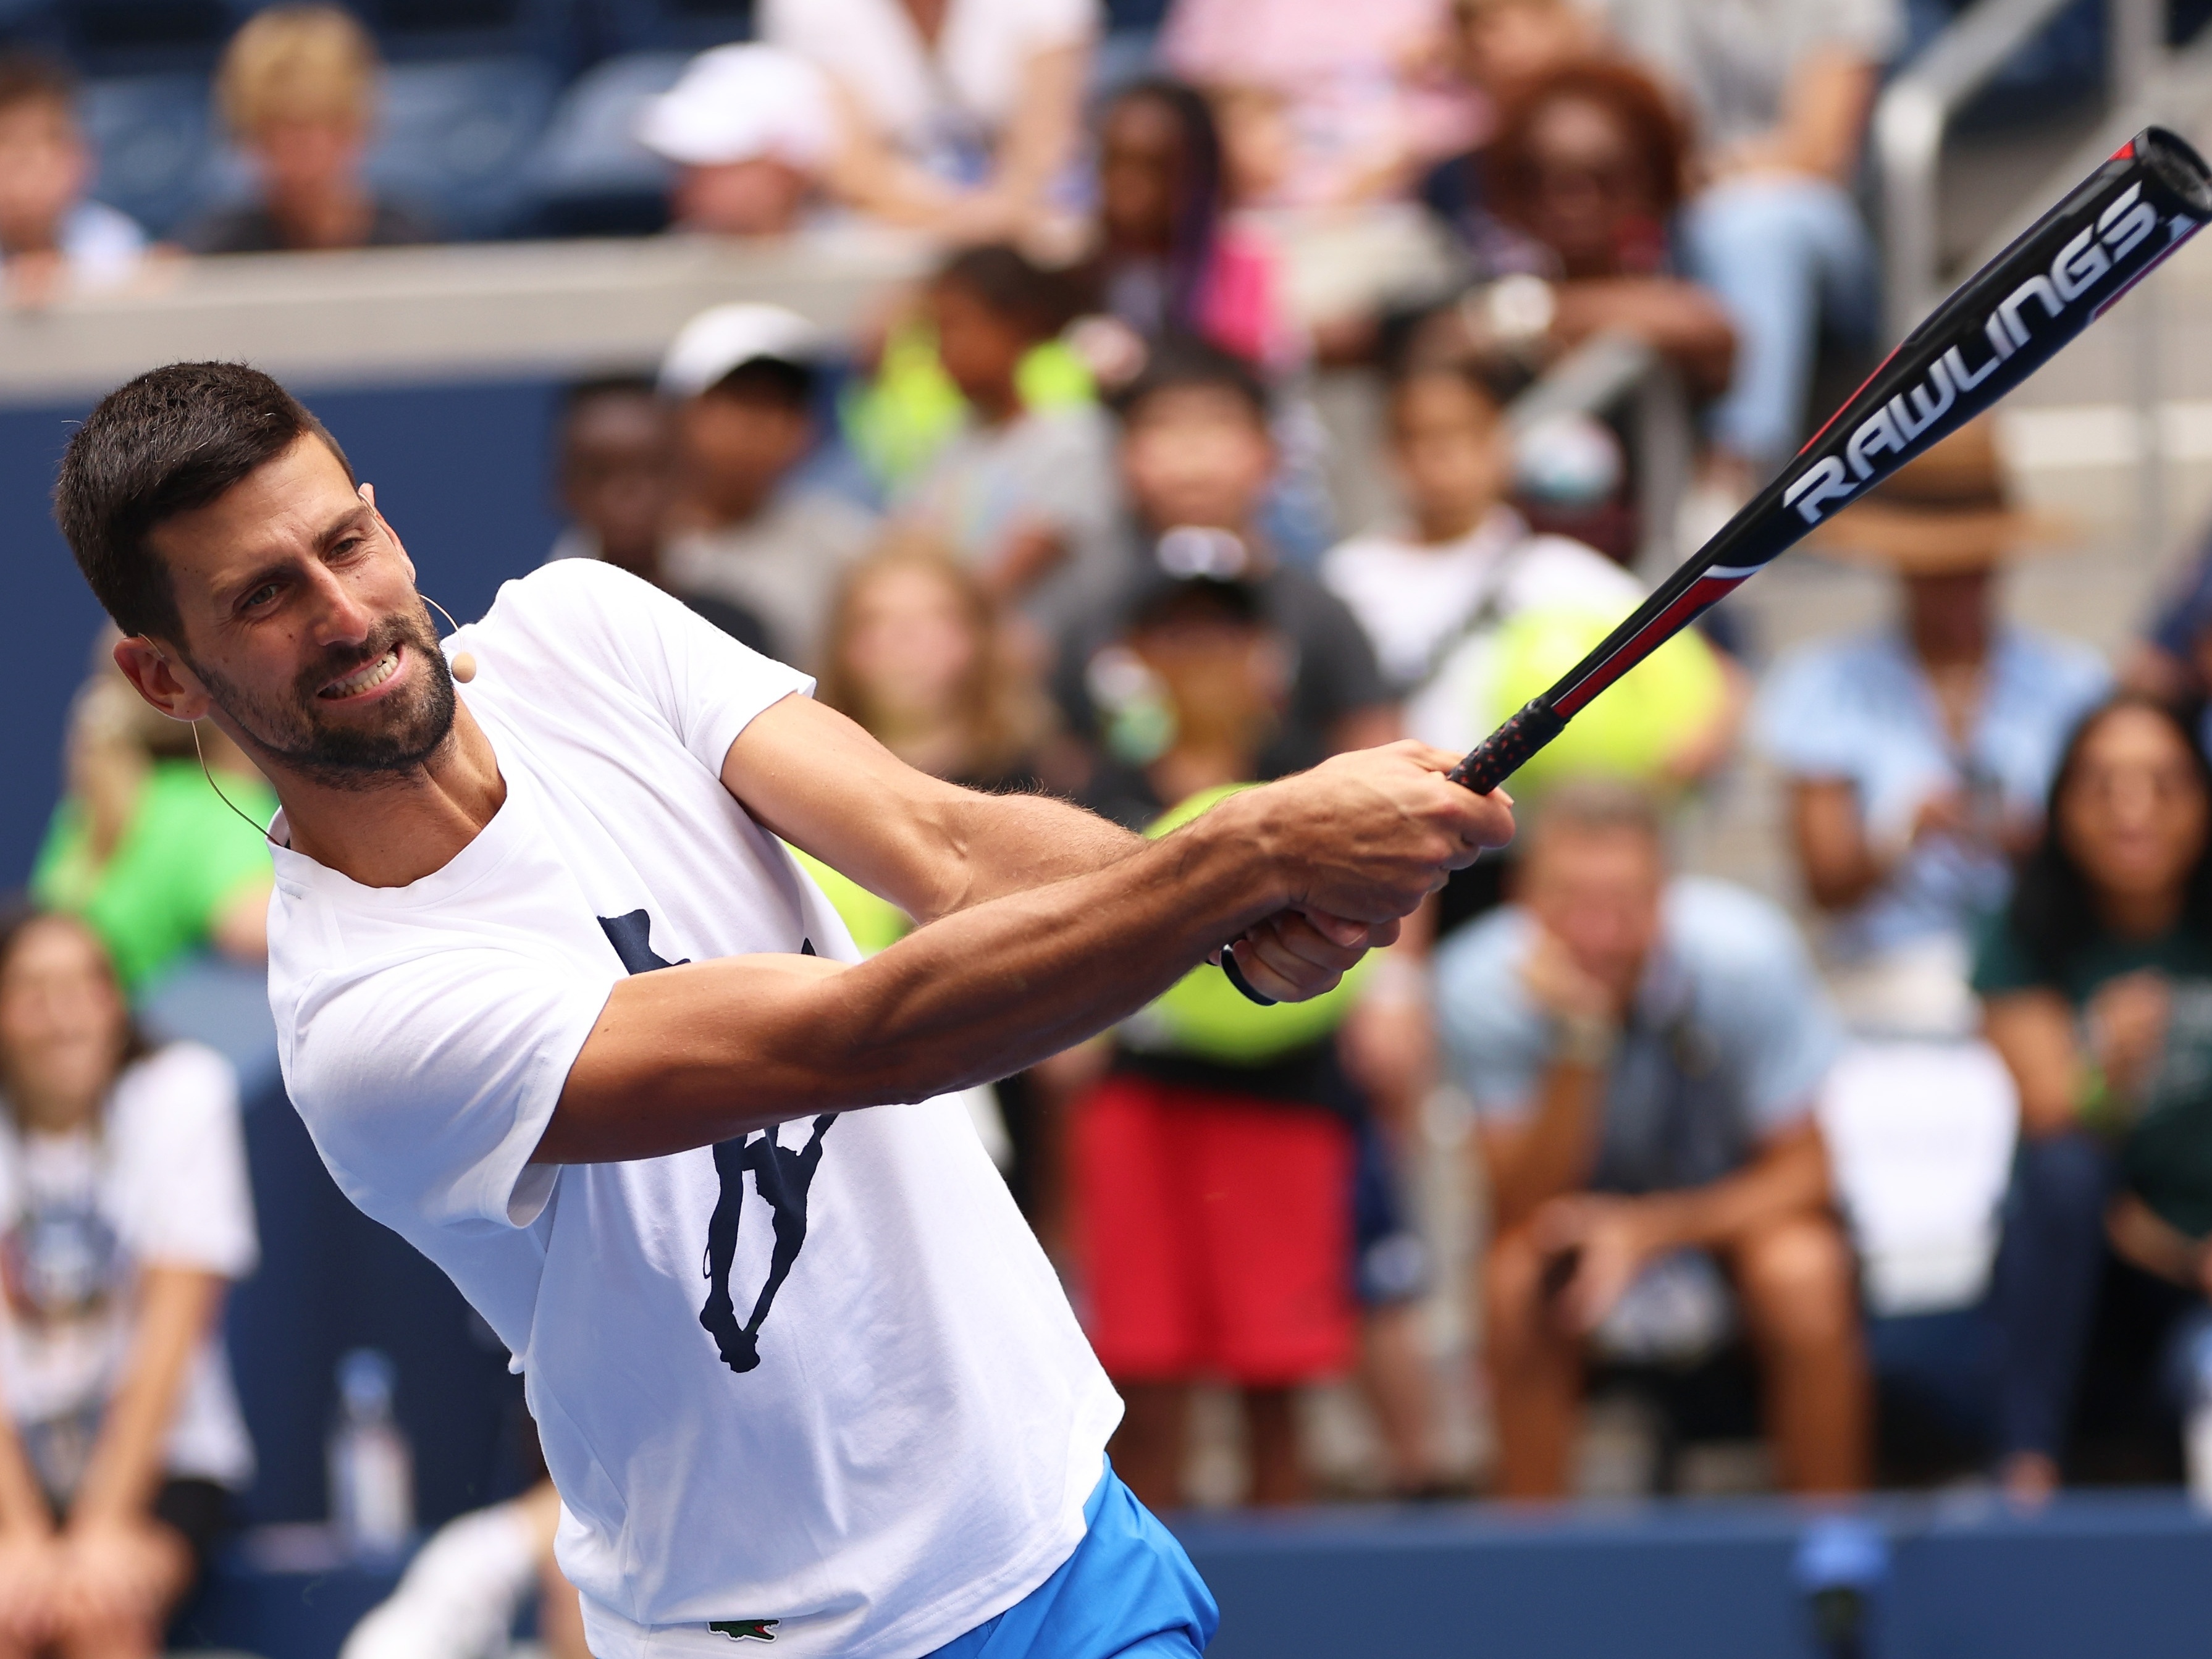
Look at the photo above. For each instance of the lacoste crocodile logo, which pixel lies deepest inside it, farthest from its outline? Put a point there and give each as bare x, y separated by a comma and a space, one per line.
746, 1630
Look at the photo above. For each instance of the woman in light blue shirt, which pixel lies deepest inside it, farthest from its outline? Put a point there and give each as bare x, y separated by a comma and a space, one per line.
1918, 753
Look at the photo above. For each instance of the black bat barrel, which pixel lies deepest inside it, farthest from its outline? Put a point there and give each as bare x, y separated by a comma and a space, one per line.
2000, 326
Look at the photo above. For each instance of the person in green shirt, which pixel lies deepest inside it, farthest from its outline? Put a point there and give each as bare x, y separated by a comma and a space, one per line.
143, 849
2096, 986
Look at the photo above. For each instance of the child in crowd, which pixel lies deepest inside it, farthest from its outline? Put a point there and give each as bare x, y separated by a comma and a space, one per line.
51, 236
1024, 490
615, 472
1197, 456
1167, 262
125, 1215
750, 129
1211, 1167
918, 655
298, 89
143, 849
750, 529
1464, 604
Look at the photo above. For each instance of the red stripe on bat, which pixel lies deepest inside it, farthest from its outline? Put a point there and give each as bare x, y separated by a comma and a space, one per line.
1806, 448
1706, 591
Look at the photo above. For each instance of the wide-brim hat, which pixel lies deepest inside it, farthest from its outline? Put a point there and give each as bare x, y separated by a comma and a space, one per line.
1946, 512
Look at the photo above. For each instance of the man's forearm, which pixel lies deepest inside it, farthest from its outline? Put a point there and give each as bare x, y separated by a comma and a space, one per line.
1789, 1177
987, 990
1011, 843
1550, 1155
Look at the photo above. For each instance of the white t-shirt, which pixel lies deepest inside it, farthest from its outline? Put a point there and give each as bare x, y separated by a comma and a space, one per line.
972, 81
908, 1451
162, 1184
1419, 603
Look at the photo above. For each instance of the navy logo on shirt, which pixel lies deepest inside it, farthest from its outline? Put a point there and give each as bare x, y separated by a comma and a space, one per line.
783, 1178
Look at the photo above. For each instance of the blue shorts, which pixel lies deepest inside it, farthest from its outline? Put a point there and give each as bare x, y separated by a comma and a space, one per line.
1129, 1592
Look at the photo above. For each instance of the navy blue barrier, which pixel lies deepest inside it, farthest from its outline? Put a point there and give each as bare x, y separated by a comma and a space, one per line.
461, 471
2099, 1574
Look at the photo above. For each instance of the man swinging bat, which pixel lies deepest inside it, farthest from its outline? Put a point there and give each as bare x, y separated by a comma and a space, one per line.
547, 998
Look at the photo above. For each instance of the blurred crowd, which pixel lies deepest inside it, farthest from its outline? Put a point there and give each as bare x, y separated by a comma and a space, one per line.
1910, 1183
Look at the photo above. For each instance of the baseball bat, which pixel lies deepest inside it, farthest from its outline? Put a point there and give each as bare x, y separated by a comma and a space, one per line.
1997, 328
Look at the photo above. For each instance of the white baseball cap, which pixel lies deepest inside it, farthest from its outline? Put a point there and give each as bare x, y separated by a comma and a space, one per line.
725, 337
740, 104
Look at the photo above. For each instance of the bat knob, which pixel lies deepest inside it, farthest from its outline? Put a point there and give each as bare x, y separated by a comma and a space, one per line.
1236, 978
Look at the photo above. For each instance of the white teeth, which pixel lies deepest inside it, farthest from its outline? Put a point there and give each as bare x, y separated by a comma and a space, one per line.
365, 679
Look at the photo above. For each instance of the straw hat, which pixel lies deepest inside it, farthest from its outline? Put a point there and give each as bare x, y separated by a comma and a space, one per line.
1944, 512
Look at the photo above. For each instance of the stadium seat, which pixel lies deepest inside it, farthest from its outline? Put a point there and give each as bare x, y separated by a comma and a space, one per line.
674, 25
590, 176
155, 146
456, 136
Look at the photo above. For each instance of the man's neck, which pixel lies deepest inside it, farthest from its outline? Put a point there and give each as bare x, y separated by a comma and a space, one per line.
398, 833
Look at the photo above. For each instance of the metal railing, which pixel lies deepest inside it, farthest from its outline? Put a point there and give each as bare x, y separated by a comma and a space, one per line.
1618, 371
1914, 111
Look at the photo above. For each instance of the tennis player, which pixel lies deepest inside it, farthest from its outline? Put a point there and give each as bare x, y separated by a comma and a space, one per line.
558, 1007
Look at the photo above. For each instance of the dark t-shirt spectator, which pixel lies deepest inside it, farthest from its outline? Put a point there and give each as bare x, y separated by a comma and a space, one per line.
250, 228
2166, 1153
1333, 673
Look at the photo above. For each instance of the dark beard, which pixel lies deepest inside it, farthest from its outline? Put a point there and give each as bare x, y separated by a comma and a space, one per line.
293, 735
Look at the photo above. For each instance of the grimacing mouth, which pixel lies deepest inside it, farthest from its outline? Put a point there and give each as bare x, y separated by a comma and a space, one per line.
365, 676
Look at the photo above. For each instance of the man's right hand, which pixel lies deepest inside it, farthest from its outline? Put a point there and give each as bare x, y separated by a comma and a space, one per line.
1359, 843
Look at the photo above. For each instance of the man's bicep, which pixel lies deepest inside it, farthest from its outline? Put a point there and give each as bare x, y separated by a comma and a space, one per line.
811, 776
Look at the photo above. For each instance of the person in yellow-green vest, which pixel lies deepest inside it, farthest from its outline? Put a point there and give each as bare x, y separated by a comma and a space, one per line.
143, 847
1212, 1167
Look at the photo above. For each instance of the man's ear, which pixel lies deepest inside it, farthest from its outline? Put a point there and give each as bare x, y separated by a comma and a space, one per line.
157, 672
367, 492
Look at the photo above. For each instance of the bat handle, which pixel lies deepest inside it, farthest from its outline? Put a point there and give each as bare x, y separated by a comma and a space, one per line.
1504, 752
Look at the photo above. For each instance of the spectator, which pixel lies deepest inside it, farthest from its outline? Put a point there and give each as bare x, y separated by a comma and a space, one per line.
1450, 598
1168, 261
51, 236
126, 1210
462, 1592
1024, 490
1918, 754
2097, 989
750, 129
1197, 456
1645, 1055
143, 849
750, 530
1582, 178
1502, 48
2172, 659
616, 479
917, 656
1780, 91
1322, 104
958, 115
1212, 1167
298, 89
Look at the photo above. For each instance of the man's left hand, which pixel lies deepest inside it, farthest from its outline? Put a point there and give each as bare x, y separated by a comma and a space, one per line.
1610, 1238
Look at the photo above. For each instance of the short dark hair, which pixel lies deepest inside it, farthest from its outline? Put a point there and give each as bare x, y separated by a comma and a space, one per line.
168, 442
1180, 361
775, 380
29, 78
1010, 284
